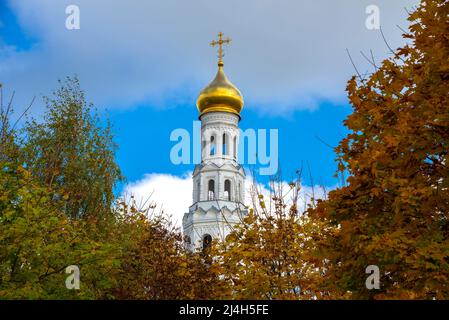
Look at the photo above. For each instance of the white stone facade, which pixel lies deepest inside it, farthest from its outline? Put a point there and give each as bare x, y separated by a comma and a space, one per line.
218, 182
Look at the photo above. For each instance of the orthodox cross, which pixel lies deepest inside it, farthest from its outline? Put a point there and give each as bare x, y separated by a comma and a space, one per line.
220, 42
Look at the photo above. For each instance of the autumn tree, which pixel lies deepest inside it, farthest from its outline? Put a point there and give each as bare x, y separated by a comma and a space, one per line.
135, 256
38, 242
57, 210
38, 239
156, 264
268, 256
72, 152
394, 210
9, 146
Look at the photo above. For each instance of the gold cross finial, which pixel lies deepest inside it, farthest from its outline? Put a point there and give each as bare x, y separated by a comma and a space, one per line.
220, 42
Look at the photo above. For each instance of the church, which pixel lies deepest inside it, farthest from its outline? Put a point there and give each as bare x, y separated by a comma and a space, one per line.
218, 180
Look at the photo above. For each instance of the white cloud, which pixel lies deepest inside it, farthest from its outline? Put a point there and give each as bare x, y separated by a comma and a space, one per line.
173, 194
287, 53
170, 193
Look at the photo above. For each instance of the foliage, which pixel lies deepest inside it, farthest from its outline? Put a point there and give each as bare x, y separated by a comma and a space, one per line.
394, 211
157, 266
57, 209
270, 254
38, 242
9, 148
72, 154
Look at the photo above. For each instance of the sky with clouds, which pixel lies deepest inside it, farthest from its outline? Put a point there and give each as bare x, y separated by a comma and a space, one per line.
146, 61
159, 190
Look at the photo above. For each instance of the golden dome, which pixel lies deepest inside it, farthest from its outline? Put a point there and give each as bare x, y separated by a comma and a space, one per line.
220, 95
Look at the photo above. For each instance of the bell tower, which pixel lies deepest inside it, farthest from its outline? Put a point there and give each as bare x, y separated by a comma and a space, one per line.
219, 180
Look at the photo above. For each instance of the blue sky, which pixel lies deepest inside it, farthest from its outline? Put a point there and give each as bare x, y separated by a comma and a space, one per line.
143, 137
145, 63
11, 32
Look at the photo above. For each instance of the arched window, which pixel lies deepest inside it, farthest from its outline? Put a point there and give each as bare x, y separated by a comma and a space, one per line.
207, 240
225, 144
227, 190
211, 190
212, 145
187, 240
235, 147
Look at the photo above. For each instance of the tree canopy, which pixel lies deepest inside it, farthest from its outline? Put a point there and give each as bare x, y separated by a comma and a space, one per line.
394, 210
